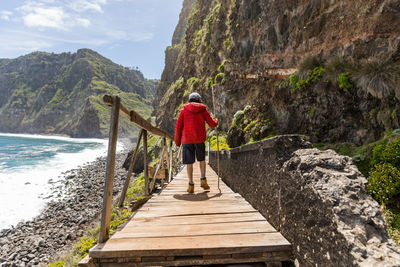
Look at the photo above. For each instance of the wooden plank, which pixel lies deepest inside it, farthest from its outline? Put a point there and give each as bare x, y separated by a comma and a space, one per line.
197, 219
186, 246
210, 201
154, 212
86, 262
109, 183
194, 230
201, 205
206, 260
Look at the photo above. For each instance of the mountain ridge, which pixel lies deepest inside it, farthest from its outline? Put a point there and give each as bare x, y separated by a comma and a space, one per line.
47, 93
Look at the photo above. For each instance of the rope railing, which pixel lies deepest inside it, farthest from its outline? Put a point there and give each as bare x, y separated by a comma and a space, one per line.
166, 158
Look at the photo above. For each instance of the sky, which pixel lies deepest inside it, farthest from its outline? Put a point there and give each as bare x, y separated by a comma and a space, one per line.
132, 33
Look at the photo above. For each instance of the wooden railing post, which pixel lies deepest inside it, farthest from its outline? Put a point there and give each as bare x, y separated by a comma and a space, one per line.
166, 157
170, 162
208, 150
131, 166
109, 183
146, 166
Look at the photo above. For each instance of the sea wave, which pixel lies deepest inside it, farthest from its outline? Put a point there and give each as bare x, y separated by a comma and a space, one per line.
21, 186
56, 137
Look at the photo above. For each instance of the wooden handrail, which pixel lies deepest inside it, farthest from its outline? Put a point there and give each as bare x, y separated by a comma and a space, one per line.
137, 119
118, 108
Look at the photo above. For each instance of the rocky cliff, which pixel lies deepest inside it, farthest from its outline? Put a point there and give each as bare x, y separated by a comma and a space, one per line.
316, 199
62, 93
328, 69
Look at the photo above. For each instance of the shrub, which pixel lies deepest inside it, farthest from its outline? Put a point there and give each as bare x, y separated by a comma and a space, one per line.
193, 83
293, 80
387, 153
312, 76
219, 77
384, 183
57, 264
378, 77
211, 82
308, 63
221, 143
221, 68
337, 65
315, 74
81, 249
344, 81
392, 218
391, 153
238, 115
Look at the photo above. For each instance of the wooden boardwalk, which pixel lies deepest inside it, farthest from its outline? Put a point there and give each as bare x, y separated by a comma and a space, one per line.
208, 227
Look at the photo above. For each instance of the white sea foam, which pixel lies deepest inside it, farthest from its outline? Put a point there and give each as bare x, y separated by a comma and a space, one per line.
56, 137
21, 187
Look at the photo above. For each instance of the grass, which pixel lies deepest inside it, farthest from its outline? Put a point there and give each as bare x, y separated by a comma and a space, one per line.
307, 64
392, 218
379, 77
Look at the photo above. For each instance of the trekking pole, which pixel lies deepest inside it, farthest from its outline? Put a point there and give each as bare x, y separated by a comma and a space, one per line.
216, 133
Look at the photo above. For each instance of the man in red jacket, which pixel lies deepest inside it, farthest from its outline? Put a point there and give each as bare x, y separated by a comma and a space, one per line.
190, 131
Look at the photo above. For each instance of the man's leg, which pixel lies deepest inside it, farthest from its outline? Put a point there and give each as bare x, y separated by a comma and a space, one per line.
189, 168
188, 158
201, 156
203, 168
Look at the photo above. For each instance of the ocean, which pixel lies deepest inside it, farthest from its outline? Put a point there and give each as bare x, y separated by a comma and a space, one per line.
28, 163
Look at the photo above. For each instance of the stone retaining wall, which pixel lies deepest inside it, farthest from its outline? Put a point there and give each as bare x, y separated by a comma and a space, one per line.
317, 199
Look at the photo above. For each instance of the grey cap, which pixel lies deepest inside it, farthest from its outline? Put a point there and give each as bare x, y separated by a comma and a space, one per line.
194, 95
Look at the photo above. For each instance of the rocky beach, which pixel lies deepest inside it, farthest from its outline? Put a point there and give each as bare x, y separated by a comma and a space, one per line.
74, 205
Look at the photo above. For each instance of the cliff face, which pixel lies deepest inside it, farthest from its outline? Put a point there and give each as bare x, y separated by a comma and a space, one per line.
284, 59
316, 199
62, 93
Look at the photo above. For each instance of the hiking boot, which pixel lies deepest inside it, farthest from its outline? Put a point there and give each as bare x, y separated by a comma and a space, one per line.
190, 188
204, 184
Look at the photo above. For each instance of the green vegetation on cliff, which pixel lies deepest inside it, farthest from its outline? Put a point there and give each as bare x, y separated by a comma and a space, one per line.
62, 93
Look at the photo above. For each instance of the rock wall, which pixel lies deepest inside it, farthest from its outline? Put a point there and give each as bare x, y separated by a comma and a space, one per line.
317, 199
259, 43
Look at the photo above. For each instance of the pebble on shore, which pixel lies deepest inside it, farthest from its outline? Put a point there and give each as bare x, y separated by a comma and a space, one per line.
75, 204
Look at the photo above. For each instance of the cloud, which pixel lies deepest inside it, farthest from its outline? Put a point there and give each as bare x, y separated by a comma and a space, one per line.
131, 36
18, 43
52, 17
5, 15
84, 5
44, 14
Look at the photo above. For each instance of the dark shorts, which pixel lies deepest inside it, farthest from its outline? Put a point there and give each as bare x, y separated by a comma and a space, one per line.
191, 150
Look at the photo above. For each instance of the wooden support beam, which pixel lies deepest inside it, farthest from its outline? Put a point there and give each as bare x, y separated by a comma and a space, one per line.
138, 120
131, 166
109, 183
146, 164
157, 169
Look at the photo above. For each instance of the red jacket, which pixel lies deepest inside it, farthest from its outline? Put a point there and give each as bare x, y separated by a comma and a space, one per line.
190, 127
